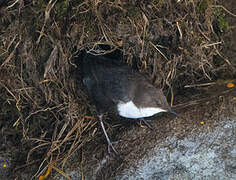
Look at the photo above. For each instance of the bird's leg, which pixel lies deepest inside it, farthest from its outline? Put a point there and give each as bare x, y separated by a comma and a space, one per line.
110, 144
171, 111
142, 120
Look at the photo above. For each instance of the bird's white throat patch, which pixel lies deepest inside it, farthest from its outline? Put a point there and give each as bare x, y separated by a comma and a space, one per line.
129, 110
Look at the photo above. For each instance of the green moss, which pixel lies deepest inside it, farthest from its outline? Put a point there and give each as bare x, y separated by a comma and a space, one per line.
222, 22
202, 6
61, 8
133, 11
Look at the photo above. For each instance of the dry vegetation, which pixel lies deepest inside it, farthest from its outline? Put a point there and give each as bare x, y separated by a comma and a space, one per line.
45, 114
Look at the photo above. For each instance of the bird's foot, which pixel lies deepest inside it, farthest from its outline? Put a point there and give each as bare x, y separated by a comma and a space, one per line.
145, 123
110, 144
110, 147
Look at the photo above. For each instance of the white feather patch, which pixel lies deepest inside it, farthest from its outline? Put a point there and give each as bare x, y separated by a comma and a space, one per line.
129, 110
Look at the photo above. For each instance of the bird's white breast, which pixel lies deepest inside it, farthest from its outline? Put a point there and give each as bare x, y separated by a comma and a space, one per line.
130, 110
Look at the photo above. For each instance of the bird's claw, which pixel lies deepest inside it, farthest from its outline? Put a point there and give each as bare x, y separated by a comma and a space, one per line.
111, 147
146, 123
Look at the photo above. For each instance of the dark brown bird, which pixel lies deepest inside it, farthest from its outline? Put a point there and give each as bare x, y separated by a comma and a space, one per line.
117, 88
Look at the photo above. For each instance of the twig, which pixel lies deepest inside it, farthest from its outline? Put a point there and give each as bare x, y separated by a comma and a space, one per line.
47, 15
180, 32
200, 85
183, 105
42, 110
61, 172
220, 6
158, 50
11, 55
13, 4
212, 44
225, 59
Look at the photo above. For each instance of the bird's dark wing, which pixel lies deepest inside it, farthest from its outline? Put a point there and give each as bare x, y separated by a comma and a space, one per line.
109, 77
153, 97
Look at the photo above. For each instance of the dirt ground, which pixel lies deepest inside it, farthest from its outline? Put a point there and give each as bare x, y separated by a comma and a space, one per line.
139, 144
46, 118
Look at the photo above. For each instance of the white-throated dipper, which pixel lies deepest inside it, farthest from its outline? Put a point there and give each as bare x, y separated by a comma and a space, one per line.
115, 87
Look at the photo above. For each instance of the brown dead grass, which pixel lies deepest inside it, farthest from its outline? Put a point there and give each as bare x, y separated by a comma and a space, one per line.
41, 93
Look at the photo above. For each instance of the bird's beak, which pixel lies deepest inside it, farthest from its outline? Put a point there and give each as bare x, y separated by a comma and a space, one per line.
172, 112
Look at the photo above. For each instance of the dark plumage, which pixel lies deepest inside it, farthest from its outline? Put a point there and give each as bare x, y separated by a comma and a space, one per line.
117, 88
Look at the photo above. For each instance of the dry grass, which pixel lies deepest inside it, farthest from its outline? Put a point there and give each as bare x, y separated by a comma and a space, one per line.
41, 93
